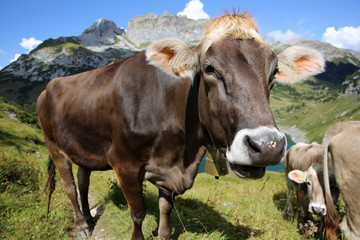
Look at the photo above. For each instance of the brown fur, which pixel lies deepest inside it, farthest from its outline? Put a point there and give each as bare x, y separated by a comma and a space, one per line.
341, 147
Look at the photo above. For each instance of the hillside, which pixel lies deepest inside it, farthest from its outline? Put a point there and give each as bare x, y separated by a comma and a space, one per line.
312, 107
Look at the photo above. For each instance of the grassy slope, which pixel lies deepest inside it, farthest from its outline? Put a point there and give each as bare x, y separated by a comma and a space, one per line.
312, 106
23, 158
229, 208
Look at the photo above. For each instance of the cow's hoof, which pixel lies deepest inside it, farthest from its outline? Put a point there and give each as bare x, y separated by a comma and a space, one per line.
85, 233
85, 230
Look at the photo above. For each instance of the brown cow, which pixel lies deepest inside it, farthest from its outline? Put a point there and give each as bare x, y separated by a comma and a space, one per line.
150, 116
304, 173
342, 148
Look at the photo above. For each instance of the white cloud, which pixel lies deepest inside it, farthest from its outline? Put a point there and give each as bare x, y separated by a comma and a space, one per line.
27, 43
345, 37
194, 10
15, 57
282, 37
30, 43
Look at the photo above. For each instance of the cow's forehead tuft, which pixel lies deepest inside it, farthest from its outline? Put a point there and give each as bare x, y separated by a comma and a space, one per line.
236, 25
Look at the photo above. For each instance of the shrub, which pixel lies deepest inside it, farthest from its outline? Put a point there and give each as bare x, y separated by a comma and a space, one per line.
17, 172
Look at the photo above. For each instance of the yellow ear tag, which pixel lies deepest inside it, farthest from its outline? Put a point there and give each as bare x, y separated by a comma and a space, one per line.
301, 179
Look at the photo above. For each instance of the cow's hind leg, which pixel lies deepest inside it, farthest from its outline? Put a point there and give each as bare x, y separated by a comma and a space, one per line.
165, 206
83, 184
64, 167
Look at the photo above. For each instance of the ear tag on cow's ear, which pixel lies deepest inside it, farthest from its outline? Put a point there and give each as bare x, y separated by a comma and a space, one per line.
301, 179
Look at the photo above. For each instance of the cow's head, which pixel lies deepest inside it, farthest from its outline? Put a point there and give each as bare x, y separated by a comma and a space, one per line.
312, 178
236, 71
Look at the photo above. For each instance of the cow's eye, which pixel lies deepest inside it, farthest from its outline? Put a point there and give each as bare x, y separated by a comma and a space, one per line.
276, 71
272, 80
308, 183
209, 69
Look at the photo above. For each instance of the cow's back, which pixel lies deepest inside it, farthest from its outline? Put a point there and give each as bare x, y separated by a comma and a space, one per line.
301, 156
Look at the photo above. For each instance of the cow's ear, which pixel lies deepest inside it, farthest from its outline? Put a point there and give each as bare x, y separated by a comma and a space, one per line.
174, 57
297, 176
298, 63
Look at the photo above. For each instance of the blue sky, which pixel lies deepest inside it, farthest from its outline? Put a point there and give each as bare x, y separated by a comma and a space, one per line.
25, 23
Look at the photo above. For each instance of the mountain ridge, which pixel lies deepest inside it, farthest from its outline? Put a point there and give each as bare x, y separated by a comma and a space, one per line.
103, 42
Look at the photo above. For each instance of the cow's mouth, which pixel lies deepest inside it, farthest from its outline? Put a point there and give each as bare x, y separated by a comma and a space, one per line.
243, 171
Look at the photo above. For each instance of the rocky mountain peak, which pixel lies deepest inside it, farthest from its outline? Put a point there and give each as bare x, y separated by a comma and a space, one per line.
166, 14
102, 32
151, 27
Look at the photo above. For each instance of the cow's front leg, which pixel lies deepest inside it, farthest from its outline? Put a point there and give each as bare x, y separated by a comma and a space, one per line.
165, 206
131, 186
290, 194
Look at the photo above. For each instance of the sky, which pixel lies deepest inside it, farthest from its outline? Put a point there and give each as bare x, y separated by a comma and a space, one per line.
24, 24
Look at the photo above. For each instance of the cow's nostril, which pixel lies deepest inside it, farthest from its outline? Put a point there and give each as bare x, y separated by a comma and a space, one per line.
253, 146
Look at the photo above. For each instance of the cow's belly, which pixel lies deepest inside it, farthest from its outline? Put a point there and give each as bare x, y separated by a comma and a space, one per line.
88, 151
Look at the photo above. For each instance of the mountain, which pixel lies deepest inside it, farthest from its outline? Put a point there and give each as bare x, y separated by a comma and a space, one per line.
351, 84
102, 32
103, 42
147, 28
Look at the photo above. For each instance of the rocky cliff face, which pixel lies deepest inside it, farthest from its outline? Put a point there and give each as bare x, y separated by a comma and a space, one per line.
102, 32
151, 27
351, 84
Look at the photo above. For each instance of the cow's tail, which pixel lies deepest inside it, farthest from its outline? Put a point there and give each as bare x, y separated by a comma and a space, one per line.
50, 183
331, 218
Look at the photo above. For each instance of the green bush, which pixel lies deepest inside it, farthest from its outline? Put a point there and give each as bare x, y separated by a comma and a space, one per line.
18, 173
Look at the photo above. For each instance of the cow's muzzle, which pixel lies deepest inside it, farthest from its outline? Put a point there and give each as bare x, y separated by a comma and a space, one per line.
254, 149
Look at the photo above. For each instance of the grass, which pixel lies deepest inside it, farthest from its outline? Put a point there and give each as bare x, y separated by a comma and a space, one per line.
229, 208
23, 158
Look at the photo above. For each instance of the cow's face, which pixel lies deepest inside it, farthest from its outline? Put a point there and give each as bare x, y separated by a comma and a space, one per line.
315, 193
235, 78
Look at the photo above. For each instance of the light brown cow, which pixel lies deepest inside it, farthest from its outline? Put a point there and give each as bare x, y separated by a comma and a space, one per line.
150, 116
342, 148
304, 173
